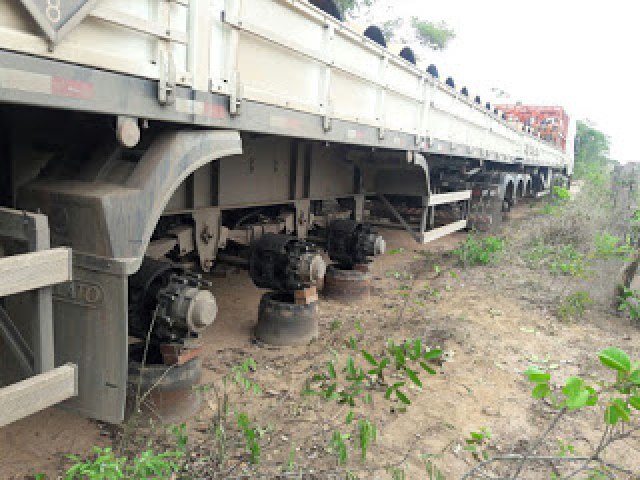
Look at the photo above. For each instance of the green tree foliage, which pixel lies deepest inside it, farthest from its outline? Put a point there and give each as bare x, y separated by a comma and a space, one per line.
390, 27
433, 35
351, 7
591, 152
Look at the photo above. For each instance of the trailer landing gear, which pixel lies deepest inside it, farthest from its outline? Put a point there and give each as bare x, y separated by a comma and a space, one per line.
291, 268
283, 322
164, 393
168, 309
348, 284
351, 245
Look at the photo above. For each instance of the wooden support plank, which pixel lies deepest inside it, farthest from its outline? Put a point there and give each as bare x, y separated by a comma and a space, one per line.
442, 198
436, 233
30, 271
37, 393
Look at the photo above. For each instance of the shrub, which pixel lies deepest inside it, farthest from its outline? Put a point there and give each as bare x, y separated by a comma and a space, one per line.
608, 246
479, 251
630, 303
561, 194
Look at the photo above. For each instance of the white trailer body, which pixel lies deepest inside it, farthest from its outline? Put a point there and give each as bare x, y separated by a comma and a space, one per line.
277, 53
177, 128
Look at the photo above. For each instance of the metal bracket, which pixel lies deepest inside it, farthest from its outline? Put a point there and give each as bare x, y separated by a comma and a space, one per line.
167, 79
327, 121
303, 207
207, 233
236, 92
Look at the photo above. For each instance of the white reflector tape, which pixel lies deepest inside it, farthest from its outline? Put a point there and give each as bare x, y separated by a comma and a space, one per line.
25, 81
46, 84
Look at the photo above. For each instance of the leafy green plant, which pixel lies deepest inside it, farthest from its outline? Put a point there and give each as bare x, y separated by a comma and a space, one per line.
335, 326
360, 378
338, 447
397, 473
367, 433
559, 259
549, 209
567, 261
479, 251
574, 305
251, 435
476, 444
105, 465
180, 434
538, 254
630, 302
238, 377
618, 398
291, 460
610, 246
432, 470
566, 449
560, 193
408, 358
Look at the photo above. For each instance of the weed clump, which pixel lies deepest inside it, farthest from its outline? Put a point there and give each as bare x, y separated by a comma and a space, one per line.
479, 251
609, 246
574, 306
560, 259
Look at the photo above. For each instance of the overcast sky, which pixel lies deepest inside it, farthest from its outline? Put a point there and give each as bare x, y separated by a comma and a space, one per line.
582, 55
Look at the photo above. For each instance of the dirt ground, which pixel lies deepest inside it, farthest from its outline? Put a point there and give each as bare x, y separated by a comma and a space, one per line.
493, 322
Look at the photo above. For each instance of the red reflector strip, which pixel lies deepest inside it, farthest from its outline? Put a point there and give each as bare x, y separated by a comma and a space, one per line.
214, 110
65, 87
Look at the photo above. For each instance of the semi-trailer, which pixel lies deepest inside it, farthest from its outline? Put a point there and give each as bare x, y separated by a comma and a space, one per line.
142, 143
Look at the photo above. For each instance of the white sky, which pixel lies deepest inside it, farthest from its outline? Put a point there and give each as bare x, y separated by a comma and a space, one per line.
583, 55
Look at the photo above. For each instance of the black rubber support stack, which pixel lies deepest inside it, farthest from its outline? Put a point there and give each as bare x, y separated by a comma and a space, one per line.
347, 284
282, 322
168, 391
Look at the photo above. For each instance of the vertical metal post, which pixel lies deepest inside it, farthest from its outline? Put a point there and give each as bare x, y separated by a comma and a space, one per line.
325, 79
358, 208
42, 327
425, 212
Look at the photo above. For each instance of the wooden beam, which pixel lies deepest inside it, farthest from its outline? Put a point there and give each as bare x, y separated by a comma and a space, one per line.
30, 271
442, 198
37, 393
436, 233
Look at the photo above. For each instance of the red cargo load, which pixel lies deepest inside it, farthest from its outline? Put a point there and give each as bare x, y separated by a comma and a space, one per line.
550, 122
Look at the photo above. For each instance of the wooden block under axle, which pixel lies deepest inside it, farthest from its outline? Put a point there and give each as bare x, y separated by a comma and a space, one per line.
173, 354
306, 296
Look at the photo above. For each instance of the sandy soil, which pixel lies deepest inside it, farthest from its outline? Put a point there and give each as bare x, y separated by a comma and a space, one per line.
493, 321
